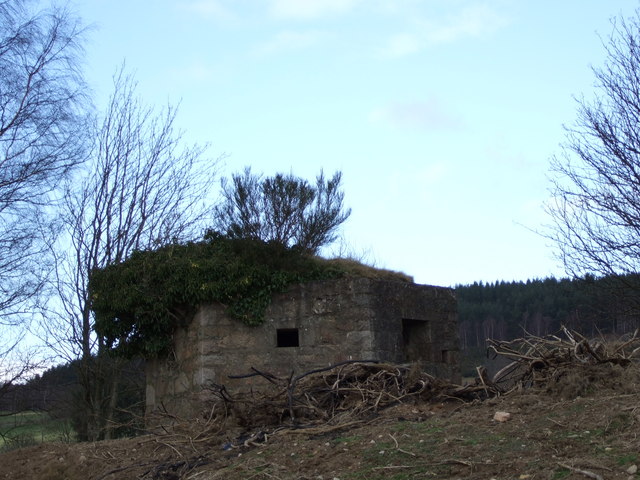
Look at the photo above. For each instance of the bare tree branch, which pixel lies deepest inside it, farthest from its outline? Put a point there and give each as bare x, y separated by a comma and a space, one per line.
141, 189
42, 113
596, 189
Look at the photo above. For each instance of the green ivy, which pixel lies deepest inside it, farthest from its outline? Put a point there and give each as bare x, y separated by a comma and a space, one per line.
140, 302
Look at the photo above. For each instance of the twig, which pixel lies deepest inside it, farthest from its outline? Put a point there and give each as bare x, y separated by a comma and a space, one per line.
122, 469
482, 372
431, 464
267, 376
398, 447
556, 422
321, 430
586, 473
170, 446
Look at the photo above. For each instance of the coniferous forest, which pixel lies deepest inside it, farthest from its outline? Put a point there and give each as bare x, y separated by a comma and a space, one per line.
507, 310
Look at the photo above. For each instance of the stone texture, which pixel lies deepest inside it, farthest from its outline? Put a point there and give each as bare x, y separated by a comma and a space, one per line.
336, 320
502, 416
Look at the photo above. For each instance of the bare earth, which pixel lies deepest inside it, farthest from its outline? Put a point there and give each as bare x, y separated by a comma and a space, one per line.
585, 426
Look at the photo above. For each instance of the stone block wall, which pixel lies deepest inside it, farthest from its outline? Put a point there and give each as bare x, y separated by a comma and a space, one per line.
311, 325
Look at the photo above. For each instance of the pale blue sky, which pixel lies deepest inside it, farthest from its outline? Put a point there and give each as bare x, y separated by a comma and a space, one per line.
441, 114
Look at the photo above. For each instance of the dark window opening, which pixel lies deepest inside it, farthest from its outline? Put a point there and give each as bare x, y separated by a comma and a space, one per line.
288, 337
416, 340
445, 356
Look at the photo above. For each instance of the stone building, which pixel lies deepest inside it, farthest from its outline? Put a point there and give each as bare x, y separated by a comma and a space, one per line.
311, 325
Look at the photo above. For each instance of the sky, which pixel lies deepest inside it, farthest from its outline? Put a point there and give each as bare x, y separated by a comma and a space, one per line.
442, 115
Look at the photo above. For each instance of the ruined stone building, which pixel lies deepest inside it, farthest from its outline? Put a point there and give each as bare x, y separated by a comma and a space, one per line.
311, 325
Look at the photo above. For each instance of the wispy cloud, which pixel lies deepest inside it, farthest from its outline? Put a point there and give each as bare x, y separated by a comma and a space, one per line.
470, 22
506, 155
403, 44
310, 9
293, 40
416, 183
198, 71
208, 8
424, 115
432, 173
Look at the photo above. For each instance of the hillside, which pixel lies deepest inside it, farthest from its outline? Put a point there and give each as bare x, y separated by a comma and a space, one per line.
573, 413
547, 438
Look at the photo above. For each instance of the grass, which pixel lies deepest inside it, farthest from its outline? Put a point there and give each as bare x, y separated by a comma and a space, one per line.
561, 473
29, 428
355, 268
627, 459
347, 440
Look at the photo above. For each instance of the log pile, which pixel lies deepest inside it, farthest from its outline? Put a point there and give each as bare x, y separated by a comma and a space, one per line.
336, 396
537, 361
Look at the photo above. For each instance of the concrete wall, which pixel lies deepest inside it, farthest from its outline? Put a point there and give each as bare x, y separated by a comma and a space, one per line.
332, 321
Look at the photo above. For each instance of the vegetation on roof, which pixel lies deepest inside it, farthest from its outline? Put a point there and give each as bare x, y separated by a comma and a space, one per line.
140, 302
354, 268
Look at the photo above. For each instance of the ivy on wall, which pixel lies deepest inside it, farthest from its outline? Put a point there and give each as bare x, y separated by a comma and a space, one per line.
139, 303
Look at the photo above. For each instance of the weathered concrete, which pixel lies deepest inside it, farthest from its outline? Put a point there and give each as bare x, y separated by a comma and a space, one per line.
332, 321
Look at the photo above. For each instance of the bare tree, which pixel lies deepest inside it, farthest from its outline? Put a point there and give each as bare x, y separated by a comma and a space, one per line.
41, 117
16, 365
141, 189
284, 208
596, 189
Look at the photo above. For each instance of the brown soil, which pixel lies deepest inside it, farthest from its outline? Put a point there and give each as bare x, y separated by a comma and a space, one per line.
585, 425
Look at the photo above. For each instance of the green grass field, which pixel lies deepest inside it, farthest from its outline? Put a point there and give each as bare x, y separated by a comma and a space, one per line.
28, 428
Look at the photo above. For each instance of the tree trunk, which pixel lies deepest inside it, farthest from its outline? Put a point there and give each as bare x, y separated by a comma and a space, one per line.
114, 368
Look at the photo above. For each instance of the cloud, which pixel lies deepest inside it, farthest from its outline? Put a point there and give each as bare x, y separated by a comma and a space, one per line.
197, 71
208, 8
470, 22
432, 173
310, 9
424, 115
507, 153
292, 40
419, 184
403, 44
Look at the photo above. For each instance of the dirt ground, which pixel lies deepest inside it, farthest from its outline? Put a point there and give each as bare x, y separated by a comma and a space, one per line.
586, 424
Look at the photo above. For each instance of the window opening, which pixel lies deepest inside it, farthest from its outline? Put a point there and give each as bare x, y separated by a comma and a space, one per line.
288, 337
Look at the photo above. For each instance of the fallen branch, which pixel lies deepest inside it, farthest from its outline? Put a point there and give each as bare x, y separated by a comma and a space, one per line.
536, 359
586, 473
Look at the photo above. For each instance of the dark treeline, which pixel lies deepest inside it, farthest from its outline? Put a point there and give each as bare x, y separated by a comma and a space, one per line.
47, 392
506, 310
57, 392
